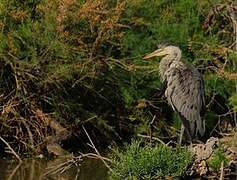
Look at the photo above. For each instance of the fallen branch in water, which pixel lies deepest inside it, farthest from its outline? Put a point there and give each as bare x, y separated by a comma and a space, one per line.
64, 163
14, 171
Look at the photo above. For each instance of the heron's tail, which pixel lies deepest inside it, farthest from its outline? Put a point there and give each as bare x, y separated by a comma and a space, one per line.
200, 127
194, 129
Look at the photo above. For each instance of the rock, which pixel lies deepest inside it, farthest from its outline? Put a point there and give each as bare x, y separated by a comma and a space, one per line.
56, 150
202, 152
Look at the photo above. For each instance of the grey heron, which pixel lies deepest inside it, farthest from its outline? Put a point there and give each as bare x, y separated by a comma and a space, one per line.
184, 90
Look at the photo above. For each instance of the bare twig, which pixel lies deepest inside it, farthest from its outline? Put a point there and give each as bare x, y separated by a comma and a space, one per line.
153, 119
215, 126
95, 156
222, 171
60, 167
97, 152
14, 171
154, 138
91, 118
13, 152
77, 174
30, 135
151, 126
233, 19
69, 161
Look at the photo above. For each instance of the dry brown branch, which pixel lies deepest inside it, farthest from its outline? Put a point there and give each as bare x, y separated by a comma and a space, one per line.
211, 15
95, 156
153, 138
97, 152
29, 133
13, 152
233, 18
107, 25
52, 123
229, 10
222, 171
62, 164
14, 171
222, 73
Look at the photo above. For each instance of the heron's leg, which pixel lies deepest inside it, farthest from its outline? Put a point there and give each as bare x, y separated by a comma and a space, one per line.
189, 137
181, 134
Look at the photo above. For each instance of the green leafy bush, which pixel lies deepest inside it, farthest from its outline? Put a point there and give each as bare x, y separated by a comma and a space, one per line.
147, 162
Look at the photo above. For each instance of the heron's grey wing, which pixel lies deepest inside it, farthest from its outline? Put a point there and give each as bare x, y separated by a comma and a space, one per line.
185, 92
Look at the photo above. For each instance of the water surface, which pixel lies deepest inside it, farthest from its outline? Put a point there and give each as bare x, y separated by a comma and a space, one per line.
60, 169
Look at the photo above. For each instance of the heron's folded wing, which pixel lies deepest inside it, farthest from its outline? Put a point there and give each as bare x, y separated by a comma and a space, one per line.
185, 92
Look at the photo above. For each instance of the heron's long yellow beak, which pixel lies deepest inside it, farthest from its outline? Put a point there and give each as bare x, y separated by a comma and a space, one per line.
158, 52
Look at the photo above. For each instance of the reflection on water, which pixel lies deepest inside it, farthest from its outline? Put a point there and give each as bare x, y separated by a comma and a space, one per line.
89, 169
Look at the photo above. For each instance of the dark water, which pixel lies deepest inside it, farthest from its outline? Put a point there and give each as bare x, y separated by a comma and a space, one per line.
88, 169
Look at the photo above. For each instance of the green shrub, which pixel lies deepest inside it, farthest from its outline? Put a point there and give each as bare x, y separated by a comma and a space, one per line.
147, 162
217, 158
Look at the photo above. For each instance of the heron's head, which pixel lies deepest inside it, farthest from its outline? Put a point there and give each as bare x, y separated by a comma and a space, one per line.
163, 51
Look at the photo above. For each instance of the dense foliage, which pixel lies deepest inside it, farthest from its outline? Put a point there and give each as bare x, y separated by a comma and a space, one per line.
80, 62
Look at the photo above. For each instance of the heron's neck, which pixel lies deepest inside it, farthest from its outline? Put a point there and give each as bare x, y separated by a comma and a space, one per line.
166, 62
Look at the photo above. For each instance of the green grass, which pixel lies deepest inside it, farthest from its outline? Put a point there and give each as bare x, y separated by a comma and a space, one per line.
217, 158
147, 162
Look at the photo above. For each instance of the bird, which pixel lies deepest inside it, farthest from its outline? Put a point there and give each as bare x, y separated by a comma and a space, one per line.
184, 91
